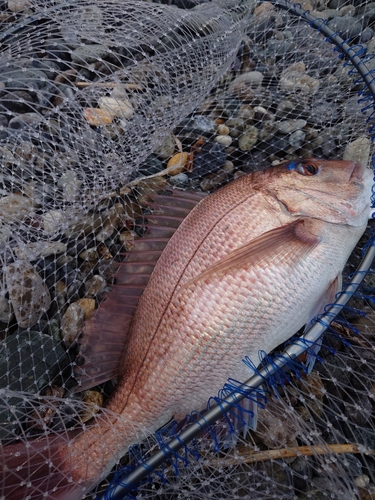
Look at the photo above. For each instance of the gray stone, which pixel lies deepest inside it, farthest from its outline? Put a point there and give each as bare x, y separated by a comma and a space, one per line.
95, 286
289, 126
166, 149
27, 291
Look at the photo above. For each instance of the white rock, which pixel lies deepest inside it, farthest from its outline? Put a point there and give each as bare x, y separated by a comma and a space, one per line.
18, 5
33, 251
15, 207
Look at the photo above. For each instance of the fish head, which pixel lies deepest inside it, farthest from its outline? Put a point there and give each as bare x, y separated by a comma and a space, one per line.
335, 191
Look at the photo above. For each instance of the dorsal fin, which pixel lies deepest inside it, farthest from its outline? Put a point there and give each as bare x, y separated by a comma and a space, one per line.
106, 332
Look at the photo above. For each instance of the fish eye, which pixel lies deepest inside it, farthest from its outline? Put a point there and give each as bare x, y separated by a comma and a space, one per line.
309, 169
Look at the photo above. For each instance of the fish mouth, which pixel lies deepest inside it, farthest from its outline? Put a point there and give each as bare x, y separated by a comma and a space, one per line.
357, 172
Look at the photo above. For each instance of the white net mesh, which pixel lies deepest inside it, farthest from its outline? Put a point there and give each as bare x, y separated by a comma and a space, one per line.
104, 104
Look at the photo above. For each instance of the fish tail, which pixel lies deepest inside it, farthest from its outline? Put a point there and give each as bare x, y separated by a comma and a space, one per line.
34, 470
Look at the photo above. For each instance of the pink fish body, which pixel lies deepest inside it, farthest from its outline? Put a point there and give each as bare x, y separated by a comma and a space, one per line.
247, 268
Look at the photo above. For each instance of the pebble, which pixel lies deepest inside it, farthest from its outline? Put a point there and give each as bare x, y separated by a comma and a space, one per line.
167, 148
289, 126
213, 181
296, 139
116, 107
18, 5
72, 323
358, 150
6, 308
95, 286
359, 409
88, 53
210, 158
52, 221
294, 81
97, 116
90, 254
249, 138
179, 179
224, 140
70, 185
110, 220
15, 207
38, 249
275, 427
177, 163
28, 293
94, 401
223, 129
88, 306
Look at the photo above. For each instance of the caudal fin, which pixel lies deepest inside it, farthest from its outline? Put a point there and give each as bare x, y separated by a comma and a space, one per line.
33, 470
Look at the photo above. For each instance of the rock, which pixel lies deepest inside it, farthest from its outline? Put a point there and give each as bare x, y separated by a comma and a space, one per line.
25, 120
179, 179
213, 181
72, 323
90, 254
210, 158
111, 219
38, 249
95, 286
116, 107
151, 165
18, 5
6, 309
249, 138
222, 129
347, 26
177, 163
97, 116
15, 207
358, 150
52, 221
296, 139
275, 427
94, 401
88, 53
362, 481
29, 360
294, 81
322, 112
224, 140
289, 126
70, 185
358, 409
28, 293
236, 126
88, 306
199, 123
166, 149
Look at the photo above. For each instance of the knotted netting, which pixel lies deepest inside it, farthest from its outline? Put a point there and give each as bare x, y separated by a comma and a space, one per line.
103, 104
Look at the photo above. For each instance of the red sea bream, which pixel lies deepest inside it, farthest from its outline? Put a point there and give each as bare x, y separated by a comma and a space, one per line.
247, 268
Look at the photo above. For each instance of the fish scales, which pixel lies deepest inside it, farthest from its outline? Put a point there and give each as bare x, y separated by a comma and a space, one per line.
241, 274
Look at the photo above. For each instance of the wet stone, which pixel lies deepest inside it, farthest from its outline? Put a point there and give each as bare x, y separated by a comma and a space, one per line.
15, 207
166, 149
29, 360
27, 291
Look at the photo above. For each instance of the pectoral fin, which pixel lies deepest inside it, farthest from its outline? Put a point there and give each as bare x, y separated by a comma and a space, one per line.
287, 243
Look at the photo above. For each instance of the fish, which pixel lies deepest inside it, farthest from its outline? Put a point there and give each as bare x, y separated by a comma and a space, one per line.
250, 265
